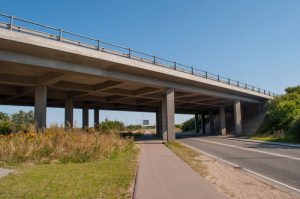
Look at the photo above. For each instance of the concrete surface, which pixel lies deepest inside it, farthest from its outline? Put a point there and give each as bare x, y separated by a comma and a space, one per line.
5, 172
163, 175
280, 163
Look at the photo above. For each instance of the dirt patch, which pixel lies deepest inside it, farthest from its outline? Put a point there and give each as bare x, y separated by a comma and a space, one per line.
232, 182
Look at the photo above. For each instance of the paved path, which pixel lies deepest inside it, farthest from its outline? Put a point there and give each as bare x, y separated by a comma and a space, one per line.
163, 175
280, 163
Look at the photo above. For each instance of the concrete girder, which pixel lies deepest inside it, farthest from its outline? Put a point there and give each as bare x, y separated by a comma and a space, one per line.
85, 69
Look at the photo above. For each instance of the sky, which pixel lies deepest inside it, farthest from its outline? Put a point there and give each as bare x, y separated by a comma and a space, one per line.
252, 41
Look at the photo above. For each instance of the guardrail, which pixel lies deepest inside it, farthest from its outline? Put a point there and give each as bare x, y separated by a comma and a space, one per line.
22, 25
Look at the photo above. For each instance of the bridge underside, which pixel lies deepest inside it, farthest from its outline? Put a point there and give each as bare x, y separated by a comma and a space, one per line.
42, 72
28, 85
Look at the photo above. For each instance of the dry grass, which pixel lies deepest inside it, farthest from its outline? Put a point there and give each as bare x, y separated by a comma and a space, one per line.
190, 156
56, 144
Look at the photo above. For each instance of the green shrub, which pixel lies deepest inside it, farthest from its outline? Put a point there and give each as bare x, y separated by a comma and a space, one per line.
111, 126
295, 128
5, 127
22, 120
188, 125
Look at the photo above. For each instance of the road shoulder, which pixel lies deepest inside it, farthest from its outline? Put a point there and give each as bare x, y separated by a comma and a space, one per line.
231, 180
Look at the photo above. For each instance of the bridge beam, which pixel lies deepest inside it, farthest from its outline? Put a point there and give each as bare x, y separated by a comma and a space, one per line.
40, 107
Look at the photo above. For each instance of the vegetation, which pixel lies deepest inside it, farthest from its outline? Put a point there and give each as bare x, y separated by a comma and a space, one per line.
67, 163
189, 156
189, 125
283, 116
108, 178
109, 126
56, 144
20, 121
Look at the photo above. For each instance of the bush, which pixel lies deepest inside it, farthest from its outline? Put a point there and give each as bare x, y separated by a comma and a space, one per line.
6, 127
295, 128
22, 120
111, 126
188, 125
59, 145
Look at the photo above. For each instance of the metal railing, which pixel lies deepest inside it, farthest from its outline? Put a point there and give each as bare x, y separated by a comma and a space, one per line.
25, 26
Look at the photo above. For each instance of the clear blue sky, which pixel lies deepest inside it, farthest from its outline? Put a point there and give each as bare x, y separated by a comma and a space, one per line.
254, 41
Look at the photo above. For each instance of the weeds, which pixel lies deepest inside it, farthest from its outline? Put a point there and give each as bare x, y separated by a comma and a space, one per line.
58, 145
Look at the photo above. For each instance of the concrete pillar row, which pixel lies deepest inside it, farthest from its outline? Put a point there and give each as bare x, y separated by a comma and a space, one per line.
96, 118
197, 123
168, 112
237, 117
211, 122
85, 117
203, 123
40, 107
222, 120
69, 112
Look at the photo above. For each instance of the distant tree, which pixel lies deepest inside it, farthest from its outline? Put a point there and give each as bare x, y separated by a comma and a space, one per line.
189, 125
283, 112
4, 116
109, 126
22, 120
293, 89
5, 123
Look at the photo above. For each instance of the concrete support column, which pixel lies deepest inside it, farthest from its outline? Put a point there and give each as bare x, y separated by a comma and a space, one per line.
69, 112
203, 123
159, 122
237, 117
197, 123
40, 107
96, 118
222, 120
85, 117
211, 122
168, 111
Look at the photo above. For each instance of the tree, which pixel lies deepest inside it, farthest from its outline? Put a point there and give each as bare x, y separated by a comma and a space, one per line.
22, 120
295, 89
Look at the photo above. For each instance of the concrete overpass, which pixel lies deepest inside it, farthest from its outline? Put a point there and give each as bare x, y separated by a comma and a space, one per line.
42, 66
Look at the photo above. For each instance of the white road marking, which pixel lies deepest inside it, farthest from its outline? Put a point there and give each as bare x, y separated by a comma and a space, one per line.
248, 149
248, 170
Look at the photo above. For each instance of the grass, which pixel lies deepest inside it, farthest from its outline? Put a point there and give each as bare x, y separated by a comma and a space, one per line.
276, 138
67, 163
188, 155
56, 144
109, 178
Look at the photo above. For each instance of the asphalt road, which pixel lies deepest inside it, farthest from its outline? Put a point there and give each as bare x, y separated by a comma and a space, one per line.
279, 163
